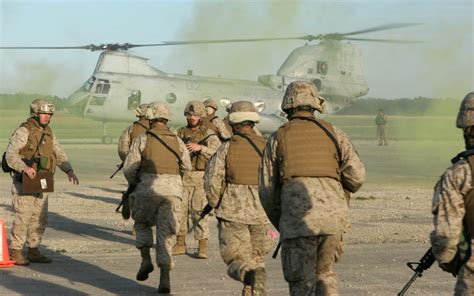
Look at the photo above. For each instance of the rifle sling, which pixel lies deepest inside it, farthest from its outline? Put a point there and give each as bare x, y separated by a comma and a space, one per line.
166, 146
142, 125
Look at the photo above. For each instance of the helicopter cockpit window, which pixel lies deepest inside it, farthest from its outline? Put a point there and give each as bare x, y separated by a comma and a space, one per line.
134, 100
171, 98
102, 87
322, 67
88, 84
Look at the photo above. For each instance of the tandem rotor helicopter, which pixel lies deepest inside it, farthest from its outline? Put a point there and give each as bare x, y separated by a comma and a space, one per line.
121, 81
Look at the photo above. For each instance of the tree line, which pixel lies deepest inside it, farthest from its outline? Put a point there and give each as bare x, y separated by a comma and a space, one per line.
20, 101
365, 106
404, 106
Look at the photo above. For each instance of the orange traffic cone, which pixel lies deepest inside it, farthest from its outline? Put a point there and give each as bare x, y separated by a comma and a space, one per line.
4, 256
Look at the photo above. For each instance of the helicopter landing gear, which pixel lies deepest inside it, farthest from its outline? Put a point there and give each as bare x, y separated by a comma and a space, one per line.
106, 139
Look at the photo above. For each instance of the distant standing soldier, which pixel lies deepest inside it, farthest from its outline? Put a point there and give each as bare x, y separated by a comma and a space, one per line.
214, 122
136, 129
381, 122
307, 166
231, 184
201, 143
33, 148
453, 209
153, 165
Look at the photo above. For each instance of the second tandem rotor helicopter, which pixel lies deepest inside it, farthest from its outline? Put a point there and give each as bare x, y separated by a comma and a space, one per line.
121, 81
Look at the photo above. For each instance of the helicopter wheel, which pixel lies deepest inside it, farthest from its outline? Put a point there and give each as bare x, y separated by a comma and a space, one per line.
106, 140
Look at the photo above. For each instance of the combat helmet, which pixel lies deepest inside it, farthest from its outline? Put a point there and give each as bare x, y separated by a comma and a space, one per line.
40, 106
141, 110
158, 110
302, 93
195, 108
243, 111
466, 112
211, 103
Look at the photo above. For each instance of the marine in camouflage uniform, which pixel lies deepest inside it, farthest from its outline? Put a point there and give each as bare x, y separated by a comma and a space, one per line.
214, 123
381, 122
231, 183
31, 210
303, 179
453, 208
136, 129
153, 165
202, 143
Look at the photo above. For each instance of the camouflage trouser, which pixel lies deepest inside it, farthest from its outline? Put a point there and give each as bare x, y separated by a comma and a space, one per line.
381, 135
308, 264
162, 212
31, 218
243, 247
465, 281
193, 202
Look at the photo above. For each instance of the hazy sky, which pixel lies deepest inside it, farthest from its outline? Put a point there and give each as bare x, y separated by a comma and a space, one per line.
441, 66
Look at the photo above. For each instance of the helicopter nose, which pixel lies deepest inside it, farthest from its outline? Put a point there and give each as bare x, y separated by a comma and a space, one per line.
77, 102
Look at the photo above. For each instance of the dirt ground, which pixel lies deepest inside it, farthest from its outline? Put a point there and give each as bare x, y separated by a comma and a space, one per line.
94, 254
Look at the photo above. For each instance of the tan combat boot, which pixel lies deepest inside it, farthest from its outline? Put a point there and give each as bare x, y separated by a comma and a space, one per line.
165, 283
180, 247
35, 256
202, 251
18, 257
146, 266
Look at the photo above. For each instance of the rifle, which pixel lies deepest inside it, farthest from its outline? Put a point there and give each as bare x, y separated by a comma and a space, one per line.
207, 209
425, 263
119, 167
275, 254
125, 204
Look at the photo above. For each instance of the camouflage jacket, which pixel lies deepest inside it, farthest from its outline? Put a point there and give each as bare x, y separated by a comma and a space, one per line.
307, 206
19, 139
448, 210
163, 184
125, 140
240, 203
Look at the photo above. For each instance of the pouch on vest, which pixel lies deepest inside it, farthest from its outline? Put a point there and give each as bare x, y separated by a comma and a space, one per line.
5, 167
43, 182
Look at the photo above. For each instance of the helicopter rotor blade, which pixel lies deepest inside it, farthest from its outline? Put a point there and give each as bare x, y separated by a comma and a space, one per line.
382, 40
190, 42
46, 47
382, 28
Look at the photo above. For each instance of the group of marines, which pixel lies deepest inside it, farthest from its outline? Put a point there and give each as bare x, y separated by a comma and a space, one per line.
299, 180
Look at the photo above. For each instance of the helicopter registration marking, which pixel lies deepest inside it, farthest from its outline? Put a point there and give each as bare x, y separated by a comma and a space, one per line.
192, 86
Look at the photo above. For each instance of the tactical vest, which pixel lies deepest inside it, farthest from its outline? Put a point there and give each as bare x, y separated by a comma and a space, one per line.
156, 158
243, 160
199, 136
45, 150
139, 127
305, 150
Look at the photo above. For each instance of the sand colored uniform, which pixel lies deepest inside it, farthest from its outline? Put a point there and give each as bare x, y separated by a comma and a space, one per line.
219, 127
157, 195
311, 213
31, 210
449, 210
194, 197
136, 129
243, 224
